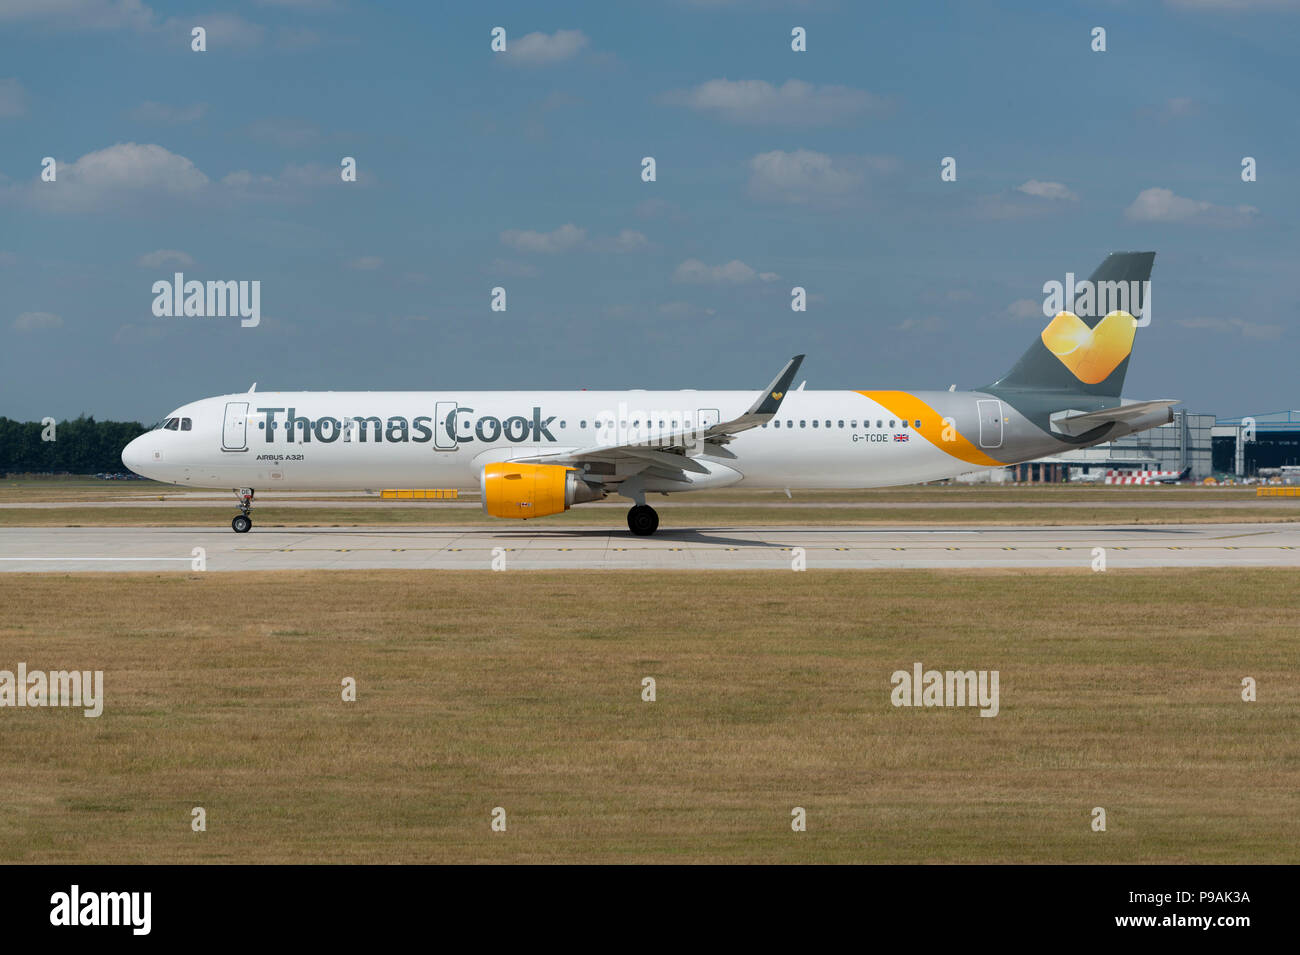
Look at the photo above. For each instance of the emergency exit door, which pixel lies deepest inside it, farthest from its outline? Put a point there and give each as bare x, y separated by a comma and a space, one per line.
444, 426
234, 435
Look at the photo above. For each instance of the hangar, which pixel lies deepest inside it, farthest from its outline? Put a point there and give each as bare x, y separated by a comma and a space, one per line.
1252, 443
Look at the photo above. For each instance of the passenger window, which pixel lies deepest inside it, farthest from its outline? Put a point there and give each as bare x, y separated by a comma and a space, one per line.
775, 424
803, 423
917, 422
841, 424
855, 424
879, 423
814, 423
891, 422
562, 424
789, 422
582, 424
828, 424
186, 424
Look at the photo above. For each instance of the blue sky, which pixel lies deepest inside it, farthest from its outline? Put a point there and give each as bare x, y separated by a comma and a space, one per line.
523, 170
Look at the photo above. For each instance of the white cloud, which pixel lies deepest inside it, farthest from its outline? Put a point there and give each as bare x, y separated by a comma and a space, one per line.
151, 112
629, 240
1025, 308
120, 173
800, 176
1244, 328
1161, 205
223, 29
367, 263
1046, 190
561, 240
293, 179
78, 14
31, 321
13, 99
735, 272
536, 49
156, 260
794, 103
684, 310
508, 268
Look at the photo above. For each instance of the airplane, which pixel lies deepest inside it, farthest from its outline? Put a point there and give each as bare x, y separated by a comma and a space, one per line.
536, 453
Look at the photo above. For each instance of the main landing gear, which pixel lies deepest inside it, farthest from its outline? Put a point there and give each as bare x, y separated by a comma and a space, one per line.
243, 522
642, 520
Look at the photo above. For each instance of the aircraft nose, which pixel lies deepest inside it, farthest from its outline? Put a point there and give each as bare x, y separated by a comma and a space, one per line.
134, 456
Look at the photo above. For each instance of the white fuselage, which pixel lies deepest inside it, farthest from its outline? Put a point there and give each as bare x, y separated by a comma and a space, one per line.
338, 440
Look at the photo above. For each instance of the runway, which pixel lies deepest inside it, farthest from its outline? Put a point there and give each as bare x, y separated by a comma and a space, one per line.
178, 549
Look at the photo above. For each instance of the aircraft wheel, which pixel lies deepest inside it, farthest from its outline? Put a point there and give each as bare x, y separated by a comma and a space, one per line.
241, 524
642, 520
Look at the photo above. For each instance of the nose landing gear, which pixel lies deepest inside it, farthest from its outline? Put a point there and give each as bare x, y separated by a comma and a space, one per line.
242, 523
642, 520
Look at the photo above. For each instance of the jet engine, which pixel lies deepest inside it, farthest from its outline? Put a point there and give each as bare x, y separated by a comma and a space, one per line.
533, 490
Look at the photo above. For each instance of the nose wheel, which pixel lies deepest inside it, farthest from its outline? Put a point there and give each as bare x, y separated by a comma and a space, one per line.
642, 520
243, 523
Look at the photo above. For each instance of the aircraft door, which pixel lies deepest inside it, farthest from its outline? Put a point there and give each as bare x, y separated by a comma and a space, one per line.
444, 434
234, 434
990, 412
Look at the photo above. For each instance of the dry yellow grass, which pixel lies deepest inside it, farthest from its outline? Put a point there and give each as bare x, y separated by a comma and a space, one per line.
522, 690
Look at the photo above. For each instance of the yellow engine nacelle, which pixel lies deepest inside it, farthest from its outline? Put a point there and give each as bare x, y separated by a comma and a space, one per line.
533, 490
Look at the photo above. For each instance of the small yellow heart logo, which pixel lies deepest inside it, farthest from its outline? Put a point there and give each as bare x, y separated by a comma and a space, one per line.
777, 395
1090, 353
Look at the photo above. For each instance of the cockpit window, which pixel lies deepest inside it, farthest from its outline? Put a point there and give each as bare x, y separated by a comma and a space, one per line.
172, 424
186, 424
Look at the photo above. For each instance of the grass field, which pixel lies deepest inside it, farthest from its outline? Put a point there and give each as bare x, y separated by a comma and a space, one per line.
522, 690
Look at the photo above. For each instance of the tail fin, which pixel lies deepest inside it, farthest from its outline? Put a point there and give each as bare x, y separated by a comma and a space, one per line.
1085, 348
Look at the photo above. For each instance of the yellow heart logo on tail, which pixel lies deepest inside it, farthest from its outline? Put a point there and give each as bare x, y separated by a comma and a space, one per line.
1090, 353
777, 395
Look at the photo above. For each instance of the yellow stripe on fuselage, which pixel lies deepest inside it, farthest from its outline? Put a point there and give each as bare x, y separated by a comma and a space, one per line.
904, 405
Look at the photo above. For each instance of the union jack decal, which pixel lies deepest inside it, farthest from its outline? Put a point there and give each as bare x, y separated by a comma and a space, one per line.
901, 437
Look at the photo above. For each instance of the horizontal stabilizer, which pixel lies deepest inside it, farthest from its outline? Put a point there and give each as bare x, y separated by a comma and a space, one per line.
1135, 416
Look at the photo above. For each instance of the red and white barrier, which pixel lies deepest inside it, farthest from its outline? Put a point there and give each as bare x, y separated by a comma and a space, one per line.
1140, 477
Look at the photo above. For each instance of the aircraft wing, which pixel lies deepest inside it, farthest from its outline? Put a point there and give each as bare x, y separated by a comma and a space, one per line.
669, 454
1075, 423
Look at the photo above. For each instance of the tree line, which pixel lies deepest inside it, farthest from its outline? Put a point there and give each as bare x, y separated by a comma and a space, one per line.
81, 445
